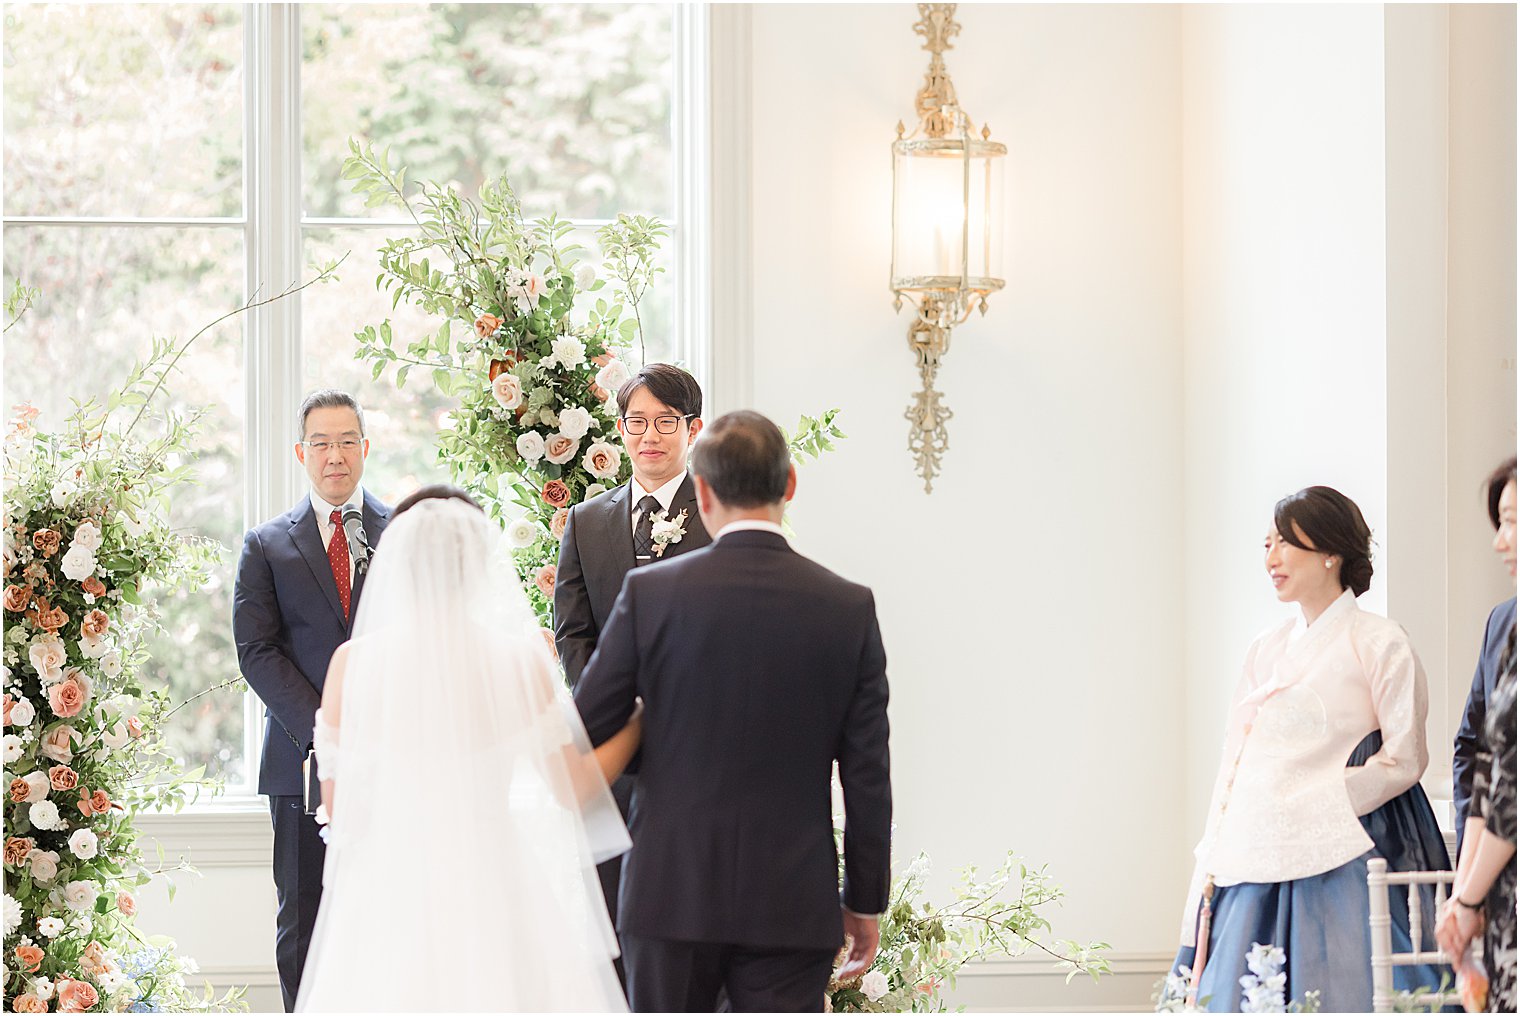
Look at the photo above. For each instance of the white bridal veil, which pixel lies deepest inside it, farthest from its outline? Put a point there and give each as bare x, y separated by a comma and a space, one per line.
469, 813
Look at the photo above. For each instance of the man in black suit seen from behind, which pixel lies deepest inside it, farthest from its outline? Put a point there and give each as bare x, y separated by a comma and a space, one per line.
297, 590
758, 670
609, 535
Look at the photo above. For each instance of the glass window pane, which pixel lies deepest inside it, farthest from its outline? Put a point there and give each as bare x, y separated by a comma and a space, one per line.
571, 100
123, 110
105, 292
402, 424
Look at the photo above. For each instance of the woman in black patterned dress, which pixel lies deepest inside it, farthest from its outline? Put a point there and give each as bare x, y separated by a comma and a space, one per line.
1483, 897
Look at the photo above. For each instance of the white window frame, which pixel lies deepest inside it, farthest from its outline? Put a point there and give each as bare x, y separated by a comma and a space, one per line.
274, 230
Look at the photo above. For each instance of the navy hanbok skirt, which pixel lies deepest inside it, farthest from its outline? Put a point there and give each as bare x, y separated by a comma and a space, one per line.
1321, 922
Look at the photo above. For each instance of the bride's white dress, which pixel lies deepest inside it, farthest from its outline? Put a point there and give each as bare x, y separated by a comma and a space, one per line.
469, 813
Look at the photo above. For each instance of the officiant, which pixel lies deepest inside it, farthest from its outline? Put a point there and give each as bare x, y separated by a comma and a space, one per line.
297, 590
660, 415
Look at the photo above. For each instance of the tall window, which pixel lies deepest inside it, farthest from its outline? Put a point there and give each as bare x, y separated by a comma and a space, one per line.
128, 160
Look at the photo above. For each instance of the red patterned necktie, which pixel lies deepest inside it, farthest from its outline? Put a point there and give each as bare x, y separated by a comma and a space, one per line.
337, 556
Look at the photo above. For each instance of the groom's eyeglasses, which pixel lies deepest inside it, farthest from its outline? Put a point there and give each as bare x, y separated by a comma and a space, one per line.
320, 447
637, 425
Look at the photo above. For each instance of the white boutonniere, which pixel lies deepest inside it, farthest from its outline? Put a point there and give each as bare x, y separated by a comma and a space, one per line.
666, 530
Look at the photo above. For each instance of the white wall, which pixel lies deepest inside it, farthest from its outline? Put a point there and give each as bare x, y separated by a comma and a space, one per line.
1032, 607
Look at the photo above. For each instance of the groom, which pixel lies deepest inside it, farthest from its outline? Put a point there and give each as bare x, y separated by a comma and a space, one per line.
294, 600
759, 670
607, 537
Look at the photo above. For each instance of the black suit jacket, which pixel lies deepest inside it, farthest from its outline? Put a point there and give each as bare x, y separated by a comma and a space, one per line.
595, 554
1470, 735
758, 669
287, 621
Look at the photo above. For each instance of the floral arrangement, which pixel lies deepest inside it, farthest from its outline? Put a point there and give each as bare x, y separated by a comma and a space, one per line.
535, 342
85, 543
1261, 990
924, 947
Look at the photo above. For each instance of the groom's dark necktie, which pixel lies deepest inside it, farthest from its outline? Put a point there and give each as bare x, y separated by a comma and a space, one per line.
643, 534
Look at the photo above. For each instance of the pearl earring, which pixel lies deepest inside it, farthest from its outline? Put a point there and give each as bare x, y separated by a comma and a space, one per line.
1329, 563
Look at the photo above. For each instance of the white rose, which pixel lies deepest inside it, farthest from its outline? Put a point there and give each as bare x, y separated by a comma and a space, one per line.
48, 656
44, 815
530, 446
569, 351
80, 896
593, 490
37, 787
88, 536
874, 984
10, 915
585, 275
84, 844
44, 866
63, 492
78, 564
574, 421
115, 737
12, 747
603, 460
522, 534
612, 376
22, 713
133, 527
110, 664
93, 647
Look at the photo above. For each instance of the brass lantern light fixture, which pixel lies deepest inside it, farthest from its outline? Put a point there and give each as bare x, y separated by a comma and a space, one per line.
947, 230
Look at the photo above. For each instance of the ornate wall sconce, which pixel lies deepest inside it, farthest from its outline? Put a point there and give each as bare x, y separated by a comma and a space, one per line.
947, 236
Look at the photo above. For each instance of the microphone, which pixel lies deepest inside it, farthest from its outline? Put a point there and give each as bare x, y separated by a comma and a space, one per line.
358, 542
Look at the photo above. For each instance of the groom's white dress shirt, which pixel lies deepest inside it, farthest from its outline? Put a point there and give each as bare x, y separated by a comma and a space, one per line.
665, 495
324, 512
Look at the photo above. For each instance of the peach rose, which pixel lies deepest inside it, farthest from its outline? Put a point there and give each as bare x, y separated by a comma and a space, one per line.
486, 325
50, 619
17, 598
46, 541
560, 449
66, 697
557, 523
10, 704
27, 1002
93, 956
95, 623
548, 635
63, 778
507, 390
544, 580
19, 790
76, 996
100, 801
508, 361
56, 744
30, 957
555, 493
134, 726
84, 804
125, 903
16, 849
93, 586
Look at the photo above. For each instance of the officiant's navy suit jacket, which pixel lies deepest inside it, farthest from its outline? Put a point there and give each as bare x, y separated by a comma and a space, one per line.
758, 669
287, 621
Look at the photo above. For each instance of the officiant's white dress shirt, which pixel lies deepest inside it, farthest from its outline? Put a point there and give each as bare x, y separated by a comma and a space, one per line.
324, 512
1306, 698
665, 495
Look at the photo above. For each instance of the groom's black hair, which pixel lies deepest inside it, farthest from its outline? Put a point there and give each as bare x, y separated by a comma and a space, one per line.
668, 383
434, 491
743, 457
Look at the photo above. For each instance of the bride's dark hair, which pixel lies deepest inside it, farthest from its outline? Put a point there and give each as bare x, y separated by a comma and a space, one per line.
438, 491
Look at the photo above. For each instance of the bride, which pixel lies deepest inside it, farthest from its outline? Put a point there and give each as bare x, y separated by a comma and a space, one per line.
467, 809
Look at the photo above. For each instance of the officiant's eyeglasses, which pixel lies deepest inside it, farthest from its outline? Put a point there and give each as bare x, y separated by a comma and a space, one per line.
320, 447
637, 425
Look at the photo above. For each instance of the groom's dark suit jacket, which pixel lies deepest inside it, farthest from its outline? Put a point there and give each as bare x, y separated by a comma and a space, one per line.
758, 669
287, 621
594, 556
